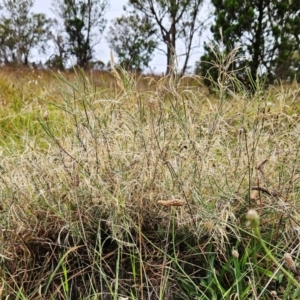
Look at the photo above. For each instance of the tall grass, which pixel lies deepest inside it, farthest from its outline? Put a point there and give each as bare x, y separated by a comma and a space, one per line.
142, 193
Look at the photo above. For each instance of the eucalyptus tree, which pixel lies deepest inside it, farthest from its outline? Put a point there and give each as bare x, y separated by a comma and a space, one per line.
84, 22
132, 38
21, 31
175, 20
60, 54
264, 33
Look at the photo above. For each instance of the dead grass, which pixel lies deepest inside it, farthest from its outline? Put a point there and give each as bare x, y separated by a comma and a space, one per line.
90, 197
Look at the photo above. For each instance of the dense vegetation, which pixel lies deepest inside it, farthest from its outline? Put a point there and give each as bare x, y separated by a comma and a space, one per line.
115, 187
118, 185
263, 35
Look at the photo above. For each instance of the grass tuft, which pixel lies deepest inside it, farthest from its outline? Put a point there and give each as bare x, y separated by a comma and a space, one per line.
122, 187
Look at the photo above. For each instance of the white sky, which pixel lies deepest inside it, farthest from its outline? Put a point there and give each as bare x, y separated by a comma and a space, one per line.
102, 51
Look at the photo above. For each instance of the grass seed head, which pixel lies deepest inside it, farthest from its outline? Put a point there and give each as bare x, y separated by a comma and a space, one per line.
253, 217
273, 294
46, 115
288, 262
235, 253
173, 202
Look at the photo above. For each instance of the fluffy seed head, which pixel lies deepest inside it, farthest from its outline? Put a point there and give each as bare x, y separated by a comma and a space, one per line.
273, 294
173, 202
235, 253
288, 262
253, 217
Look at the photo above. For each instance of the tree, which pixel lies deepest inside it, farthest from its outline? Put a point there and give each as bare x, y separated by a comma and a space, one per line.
84, 24
59, 39
286, 28
265, 32
174, 19
21, 31
132, 39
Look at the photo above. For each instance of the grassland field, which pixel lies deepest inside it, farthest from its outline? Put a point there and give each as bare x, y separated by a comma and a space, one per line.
126, 187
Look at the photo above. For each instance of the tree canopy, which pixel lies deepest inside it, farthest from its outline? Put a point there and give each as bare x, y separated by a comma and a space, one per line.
174, 20
132, 39
21, 31
84, 23
265, 34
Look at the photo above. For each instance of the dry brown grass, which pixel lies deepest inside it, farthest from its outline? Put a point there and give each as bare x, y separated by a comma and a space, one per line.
107, 160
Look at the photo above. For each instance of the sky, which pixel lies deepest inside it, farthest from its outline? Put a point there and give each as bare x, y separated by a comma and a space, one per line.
102, 51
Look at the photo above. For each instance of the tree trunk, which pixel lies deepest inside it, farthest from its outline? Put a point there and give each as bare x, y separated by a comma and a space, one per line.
257, 51
171, 49
170, 62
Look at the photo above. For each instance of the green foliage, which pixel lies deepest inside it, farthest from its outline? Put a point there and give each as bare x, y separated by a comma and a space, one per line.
21, 31
175, 20
57, 35
266, 34
132, 39
84, 24
55, 62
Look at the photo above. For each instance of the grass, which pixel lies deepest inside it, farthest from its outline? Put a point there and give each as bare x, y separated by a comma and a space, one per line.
123, 187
